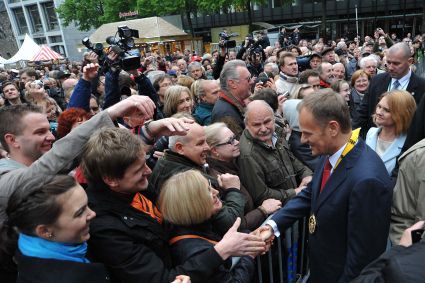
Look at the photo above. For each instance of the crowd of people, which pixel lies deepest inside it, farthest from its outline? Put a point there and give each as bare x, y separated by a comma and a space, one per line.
170, 172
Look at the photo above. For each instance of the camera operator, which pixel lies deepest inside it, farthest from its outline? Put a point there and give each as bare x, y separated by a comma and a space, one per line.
403, 263
255, 55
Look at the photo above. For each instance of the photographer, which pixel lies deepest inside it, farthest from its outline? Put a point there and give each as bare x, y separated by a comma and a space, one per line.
403, 263
255, 55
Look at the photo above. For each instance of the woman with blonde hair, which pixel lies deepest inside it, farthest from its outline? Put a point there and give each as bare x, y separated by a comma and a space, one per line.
393, 115
177, 99
188, 202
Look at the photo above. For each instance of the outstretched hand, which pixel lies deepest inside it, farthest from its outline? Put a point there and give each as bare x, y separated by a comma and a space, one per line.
135, 103
239, 244
170, 127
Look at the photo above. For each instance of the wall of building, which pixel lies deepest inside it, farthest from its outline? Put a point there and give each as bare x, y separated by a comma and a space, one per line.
8, 46
39, 19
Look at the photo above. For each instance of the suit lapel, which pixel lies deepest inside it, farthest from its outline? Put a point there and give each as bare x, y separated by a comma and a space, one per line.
337, 177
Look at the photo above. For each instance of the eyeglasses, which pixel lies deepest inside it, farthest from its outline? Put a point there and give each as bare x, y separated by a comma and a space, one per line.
231, 141
94, 108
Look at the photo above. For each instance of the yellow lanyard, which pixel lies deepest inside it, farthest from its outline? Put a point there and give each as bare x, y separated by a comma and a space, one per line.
350, 145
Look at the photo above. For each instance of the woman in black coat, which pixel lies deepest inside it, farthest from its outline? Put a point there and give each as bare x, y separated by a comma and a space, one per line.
187, 202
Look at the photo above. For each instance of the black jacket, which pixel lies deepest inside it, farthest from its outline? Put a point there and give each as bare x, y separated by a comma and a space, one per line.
33, 269
172, 163
185, 249
302, 151
398, 265
224, 111
133, 246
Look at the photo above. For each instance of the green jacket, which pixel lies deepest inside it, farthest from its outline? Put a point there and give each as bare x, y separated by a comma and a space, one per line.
269, 172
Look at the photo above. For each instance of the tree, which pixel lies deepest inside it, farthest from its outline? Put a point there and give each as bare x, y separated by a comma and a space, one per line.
86, 14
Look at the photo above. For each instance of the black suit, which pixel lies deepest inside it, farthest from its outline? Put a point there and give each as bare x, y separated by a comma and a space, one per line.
352, 212
378, 85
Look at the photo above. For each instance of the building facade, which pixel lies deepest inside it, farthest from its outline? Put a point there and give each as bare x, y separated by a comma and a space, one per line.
39, 19
8, 45
398, 16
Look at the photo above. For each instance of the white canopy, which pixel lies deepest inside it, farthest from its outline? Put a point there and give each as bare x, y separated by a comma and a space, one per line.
2, 60
27, 51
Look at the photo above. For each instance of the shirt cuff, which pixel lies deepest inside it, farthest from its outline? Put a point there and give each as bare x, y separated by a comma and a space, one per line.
274, 227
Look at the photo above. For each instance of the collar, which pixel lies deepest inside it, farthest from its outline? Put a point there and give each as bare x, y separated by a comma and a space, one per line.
334, 157
404, 81
228, 97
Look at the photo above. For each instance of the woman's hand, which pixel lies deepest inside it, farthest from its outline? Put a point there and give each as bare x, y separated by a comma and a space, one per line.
239, 244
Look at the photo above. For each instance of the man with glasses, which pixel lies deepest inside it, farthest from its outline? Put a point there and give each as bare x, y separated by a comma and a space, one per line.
235, 83
268, 169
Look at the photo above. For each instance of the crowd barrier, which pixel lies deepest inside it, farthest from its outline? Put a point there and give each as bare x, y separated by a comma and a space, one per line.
287, 260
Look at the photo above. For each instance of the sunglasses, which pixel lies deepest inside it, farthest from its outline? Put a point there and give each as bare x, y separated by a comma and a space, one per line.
231, 141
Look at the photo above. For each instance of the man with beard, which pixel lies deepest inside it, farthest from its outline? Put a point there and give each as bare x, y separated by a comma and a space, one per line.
268, 169
325, 74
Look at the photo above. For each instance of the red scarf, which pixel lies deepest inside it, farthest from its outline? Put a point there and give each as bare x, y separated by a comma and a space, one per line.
324, 84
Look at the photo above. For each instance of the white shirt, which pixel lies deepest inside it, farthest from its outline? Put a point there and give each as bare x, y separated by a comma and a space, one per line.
404, 81
332, 160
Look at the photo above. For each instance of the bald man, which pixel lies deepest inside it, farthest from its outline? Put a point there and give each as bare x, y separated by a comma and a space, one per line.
268, 169
398, 76
338, 71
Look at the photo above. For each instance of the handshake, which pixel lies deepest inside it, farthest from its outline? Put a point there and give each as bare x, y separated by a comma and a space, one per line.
235, 243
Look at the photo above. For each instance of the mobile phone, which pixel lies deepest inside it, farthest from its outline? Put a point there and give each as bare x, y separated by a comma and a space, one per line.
286, 93
417, 234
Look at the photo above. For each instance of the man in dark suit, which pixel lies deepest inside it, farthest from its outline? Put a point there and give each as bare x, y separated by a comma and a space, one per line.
349, 199
398, 76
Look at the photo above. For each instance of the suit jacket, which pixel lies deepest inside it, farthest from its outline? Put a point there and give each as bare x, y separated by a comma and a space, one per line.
352, 214
390, 155
378, 85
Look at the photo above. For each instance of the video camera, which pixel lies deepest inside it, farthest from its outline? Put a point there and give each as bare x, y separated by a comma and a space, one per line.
121, 45
226, 38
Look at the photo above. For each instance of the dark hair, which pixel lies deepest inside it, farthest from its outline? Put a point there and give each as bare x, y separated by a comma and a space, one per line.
327, 105
7, 83
11, 120
269, 96
29, 71
108, 153
306, 74
159, 80
34, 202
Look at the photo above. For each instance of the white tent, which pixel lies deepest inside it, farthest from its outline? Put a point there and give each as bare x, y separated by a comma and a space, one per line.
27, 51
2, 60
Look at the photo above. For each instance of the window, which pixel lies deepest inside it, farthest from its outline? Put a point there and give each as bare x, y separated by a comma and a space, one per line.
55, 39
36, 24
14, 1
50, 15
40, 40
59, 49
20, 20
